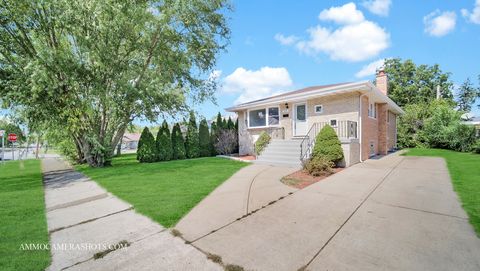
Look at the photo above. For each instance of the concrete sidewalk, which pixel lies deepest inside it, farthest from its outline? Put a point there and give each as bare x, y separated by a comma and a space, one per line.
395, 213
83, 218
246, 191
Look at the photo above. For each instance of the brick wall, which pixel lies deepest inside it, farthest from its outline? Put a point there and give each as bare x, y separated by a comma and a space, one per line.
382, 128
369, 131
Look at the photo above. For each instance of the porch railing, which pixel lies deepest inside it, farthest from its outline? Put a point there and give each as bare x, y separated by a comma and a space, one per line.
344, 129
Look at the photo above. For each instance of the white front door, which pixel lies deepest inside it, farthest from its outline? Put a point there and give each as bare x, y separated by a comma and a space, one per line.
300, 120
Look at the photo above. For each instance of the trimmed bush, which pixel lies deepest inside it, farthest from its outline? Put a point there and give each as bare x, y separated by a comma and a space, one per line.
328, 145
147, 152
178, 145
164, 143
262, 142
204, 139
319, 166
476, 147
192, 145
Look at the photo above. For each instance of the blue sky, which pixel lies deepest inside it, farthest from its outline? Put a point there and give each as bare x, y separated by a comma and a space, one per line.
272, 49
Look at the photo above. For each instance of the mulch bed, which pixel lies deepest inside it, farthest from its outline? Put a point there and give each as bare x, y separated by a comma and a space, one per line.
301, 179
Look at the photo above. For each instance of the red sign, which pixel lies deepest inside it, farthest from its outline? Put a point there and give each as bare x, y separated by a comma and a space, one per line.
12, 137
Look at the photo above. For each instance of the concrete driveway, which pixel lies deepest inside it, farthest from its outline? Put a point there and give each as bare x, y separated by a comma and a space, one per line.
248, 190
395, 213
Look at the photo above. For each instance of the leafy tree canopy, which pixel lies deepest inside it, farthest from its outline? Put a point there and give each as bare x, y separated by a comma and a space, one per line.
90, 67
409, 83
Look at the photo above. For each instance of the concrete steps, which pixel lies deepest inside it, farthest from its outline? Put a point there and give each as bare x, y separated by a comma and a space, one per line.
281, 152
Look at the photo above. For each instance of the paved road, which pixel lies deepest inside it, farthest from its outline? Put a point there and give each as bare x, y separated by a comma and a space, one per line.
83, 219
395, 213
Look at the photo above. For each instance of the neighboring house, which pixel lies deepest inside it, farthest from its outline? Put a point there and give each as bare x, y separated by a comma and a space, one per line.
130, 141
473, 121
364, 118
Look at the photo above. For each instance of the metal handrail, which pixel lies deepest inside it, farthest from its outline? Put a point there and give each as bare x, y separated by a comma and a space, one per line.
344, 130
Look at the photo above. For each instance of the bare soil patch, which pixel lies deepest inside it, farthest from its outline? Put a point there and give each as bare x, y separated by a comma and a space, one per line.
301, 179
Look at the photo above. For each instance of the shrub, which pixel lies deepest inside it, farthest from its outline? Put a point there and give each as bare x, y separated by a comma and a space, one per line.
147, 152
461, 137
476, 147
191, 140
164, 143
262, 142
319, 166
227, 140
328, 145
204, 139
178, 145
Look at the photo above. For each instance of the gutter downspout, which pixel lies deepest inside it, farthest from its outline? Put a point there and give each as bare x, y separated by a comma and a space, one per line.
360, 124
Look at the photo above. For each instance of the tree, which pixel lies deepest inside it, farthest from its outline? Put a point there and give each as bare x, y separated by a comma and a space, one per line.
191, 141
204, 139
178, 145
91, 67
230, 124
219, 122
409, 83
147, 151
164, 143
213, 137
328, 145
466, 96
435, 125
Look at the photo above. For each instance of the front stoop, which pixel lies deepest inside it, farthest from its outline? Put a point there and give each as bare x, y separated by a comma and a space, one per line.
281, 152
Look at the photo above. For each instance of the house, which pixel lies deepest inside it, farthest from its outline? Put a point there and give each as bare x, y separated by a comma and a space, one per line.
130, 141
364, 118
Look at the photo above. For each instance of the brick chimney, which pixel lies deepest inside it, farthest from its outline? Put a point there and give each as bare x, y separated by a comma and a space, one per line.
382, 81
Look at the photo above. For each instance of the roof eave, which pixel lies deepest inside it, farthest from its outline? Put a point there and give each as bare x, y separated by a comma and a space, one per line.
320, 92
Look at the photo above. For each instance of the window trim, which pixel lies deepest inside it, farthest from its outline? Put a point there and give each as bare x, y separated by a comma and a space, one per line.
330, 123
315, 109
372, 113
266, 117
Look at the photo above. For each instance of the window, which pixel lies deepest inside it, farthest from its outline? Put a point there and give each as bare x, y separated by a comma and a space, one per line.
318, 109
333, 123
372, 110
273, 116
259, 117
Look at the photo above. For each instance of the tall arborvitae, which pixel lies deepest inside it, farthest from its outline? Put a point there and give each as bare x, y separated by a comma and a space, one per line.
230, 124
237, 147
178, 144
146, 152
164, 143
219, 121
213, 137
191, 142
204, 139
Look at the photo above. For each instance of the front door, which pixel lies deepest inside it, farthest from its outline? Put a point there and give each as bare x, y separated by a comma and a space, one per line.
300, 120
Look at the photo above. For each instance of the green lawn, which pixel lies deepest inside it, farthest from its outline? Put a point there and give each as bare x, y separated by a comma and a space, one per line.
163, 191
22, 216
464, 170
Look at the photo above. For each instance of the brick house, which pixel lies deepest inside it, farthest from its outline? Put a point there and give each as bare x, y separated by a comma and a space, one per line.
364, 118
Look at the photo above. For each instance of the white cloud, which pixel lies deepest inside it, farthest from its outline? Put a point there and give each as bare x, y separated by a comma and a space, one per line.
355, 42
379, 7
474, 16
370, 69
256, 84
439, 24
285, 40
356, 39
346, 14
